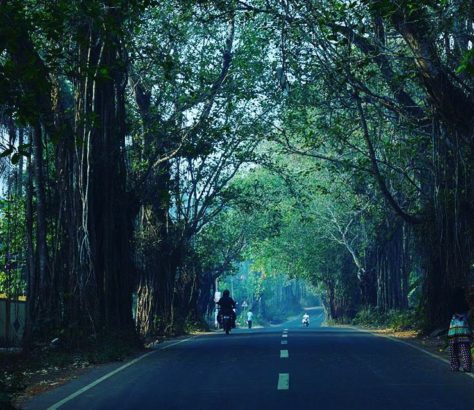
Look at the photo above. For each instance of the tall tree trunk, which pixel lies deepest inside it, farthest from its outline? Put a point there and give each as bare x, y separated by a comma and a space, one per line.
160, 249
155, 307
102, 206
109, 202
392, 268
445, 241
32, 282
43, 297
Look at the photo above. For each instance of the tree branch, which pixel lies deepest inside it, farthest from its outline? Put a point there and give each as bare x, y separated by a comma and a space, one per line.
378, 176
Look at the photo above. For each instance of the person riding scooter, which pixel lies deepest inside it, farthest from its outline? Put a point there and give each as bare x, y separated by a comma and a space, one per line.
227, 306
305, 320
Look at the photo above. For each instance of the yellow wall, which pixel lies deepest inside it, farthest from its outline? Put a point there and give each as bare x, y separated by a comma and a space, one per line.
3, 296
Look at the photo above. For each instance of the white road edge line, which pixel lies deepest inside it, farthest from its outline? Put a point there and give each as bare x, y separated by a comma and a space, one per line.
394, 339
112, 373
283, 381
177, 343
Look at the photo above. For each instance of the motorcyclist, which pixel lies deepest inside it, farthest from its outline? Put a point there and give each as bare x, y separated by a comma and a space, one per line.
227, 306
305, 318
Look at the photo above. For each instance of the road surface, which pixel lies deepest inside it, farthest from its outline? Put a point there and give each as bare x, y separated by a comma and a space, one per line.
282, 367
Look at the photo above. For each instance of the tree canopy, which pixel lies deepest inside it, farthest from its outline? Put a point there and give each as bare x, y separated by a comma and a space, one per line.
149, 148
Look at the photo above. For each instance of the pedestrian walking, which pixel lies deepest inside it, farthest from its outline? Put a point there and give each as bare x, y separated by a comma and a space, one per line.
249, 319
460, 335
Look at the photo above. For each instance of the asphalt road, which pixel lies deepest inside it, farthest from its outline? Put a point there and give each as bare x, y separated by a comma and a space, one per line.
325, 368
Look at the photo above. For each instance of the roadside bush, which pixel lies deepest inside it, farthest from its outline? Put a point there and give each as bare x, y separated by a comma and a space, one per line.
394, 319
195, 325
402, 320
369, 316
343, 320
110, 348
10, 383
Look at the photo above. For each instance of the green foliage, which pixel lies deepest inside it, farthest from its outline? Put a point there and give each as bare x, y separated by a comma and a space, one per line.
12, 246
109, 349
467, 63
403, 320
299, 224
268, 159
220, 244
369, 316
195, 325
396, 320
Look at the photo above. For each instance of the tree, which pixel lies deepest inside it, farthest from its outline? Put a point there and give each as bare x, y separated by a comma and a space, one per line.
79, 280
380, 68
193, 147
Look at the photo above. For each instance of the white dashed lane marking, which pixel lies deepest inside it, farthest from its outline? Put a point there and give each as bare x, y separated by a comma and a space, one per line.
284, 378
283, 381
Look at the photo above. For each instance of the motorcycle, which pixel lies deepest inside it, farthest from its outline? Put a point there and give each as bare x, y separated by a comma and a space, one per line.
226, 323
305, 322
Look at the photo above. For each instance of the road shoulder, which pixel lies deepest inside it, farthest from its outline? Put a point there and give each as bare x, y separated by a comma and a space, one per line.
83, 373
434, 346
